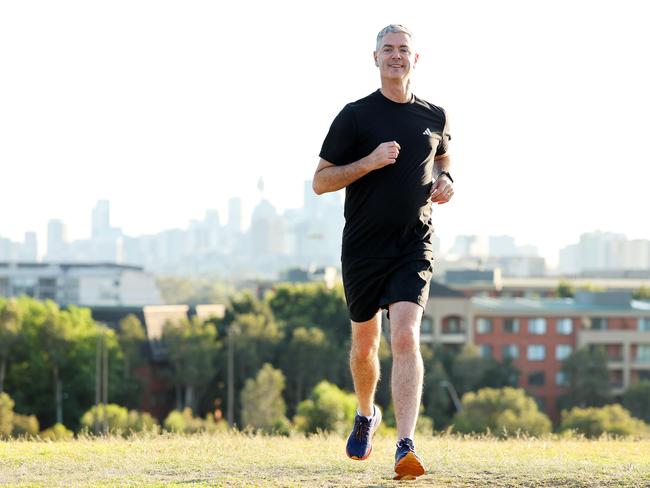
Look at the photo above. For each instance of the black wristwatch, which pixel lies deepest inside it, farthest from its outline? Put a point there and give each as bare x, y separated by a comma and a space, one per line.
447, 175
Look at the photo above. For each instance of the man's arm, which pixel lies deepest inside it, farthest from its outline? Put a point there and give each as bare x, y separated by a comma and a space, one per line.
442, 189
330, 177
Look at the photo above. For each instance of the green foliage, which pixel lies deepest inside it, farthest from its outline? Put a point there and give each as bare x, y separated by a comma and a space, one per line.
6, 415
185, 423
192, 349
119, 420
593, 421
501, 411
176, 290
10, 332
25, 425
642, 293
588, 379
637, 400
262, 404
58, 432
565, 289
328, 408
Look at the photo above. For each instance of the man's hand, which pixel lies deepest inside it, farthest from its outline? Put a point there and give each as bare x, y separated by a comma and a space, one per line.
386, 153
442, 190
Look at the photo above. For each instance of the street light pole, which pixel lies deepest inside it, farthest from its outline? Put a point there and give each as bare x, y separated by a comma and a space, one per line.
452, 392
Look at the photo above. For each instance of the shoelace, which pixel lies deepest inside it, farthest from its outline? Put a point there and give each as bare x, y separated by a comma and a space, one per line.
405, 444
363, 429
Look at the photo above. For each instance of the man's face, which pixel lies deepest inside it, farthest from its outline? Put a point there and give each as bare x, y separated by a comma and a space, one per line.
395, 56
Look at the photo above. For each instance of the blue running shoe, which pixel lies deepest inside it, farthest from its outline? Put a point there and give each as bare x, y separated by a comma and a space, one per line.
408, 465
360, 441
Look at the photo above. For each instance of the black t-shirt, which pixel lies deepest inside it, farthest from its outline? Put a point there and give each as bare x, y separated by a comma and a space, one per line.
388, 211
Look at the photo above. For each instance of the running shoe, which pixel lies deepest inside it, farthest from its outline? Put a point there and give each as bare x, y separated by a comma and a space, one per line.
408, 465
359, 444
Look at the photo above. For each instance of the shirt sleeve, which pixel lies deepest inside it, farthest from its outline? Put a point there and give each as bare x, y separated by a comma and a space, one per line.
340, 142
443, 147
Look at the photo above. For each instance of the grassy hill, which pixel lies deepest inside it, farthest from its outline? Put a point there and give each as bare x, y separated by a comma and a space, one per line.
241, 460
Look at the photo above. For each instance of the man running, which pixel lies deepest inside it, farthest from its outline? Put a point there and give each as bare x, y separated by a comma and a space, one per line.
389, 150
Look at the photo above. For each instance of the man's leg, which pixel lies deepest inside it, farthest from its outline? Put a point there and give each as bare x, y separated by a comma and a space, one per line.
364, 361
408, 370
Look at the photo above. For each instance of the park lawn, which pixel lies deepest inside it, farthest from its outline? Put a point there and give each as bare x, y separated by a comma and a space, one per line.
241, 460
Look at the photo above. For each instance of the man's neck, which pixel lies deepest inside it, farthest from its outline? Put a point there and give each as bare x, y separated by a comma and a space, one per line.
396, 90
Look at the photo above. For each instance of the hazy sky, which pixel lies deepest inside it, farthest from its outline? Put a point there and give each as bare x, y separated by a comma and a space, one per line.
170, 108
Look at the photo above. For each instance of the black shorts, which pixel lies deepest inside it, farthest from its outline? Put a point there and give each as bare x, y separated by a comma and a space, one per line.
374, 283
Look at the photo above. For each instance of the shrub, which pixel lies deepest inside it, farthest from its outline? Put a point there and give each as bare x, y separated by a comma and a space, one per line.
25, 425
6, 415
185, 423
120, 420
262, 404
504, 412
328, 408
594, 421
58, 432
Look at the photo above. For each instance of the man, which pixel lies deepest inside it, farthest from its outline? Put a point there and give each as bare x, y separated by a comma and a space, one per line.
389, 150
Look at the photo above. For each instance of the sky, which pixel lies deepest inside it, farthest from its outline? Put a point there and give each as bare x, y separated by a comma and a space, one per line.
169, 108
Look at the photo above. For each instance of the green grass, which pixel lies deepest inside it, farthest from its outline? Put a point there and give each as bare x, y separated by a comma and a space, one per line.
241, 460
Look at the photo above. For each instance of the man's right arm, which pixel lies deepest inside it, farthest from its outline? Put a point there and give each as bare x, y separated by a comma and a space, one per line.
330, 177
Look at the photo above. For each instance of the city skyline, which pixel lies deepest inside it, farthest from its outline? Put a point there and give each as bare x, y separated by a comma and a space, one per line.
182, 109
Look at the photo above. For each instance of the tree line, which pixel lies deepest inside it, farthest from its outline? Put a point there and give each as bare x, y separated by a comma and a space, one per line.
297, 338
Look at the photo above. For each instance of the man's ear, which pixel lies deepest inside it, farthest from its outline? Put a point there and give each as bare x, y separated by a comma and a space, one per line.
415, 61
374, 55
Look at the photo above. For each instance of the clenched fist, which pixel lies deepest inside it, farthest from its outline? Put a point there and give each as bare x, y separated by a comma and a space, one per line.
386, 153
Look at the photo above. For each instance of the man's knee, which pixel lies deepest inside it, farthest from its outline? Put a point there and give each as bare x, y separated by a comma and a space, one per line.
365, 340
405, 339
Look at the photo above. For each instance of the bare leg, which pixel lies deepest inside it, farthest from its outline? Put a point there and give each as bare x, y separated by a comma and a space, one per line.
408, 370
364, 361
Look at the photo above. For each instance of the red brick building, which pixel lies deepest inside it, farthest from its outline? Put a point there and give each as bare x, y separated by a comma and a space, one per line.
538, 334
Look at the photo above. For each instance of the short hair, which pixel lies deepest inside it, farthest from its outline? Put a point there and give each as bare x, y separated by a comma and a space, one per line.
392, 28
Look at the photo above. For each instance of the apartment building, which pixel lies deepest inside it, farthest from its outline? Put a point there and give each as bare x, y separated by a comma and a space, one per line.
539, 333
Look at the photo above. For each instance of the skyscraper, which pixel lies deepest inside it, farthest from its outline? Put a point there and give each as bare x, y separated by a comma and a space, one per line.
101, 220
56, 240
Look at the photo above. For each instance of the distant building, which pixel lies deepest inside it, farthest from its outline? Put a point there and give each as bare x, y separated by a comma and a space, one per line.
101, 284
538, 334
57, 241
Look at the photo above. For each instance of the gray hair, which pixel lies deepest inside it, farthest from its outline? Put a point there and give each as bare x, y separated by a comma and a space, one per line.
392, 28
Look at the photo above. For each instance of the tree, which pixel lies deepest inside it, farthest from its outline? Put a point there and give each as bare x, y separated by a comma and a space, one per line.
588, 378
637, 400
468, 369
592, 422
6, 415
328, 408
642, 293
262, 404
10, 330
435, 397
305, 361
131, 338
565, 289
503, 411
192, 347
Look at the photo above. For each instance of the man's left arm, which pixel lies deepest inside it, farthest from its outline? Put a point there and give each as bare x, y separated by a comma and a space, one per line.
442, 189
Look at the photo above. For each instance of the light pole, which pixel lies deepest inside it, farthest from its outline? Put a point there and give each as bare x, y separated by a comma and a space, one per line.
452, 392
230, 414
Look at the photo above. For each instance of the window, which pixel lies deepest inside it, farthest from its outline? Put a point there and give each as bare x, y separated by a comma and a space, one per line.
537, 326
644, 324
452, 325
598, 323
486, 351
561, 378
564, 326
563, 351
643, 353
427, 325
536, 352
510, 351
536, 378
511, 326
484, 326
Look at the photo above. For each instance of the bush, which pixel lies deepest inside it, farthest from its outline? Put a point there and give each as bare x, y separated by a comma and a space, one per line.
185, 423
503, 412
594, 421
637, 400
6, 415
58, 432
262, 404
25, 425
328, 408
120, 420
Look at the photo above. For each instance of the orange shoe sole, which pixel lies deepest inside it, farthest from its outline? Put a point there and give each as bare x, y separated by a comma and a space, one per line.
357, 458
409, 467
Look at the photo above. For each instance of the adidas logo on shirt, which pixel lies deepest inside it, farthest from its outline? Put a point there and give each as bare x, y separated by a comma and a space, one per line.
427, 132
